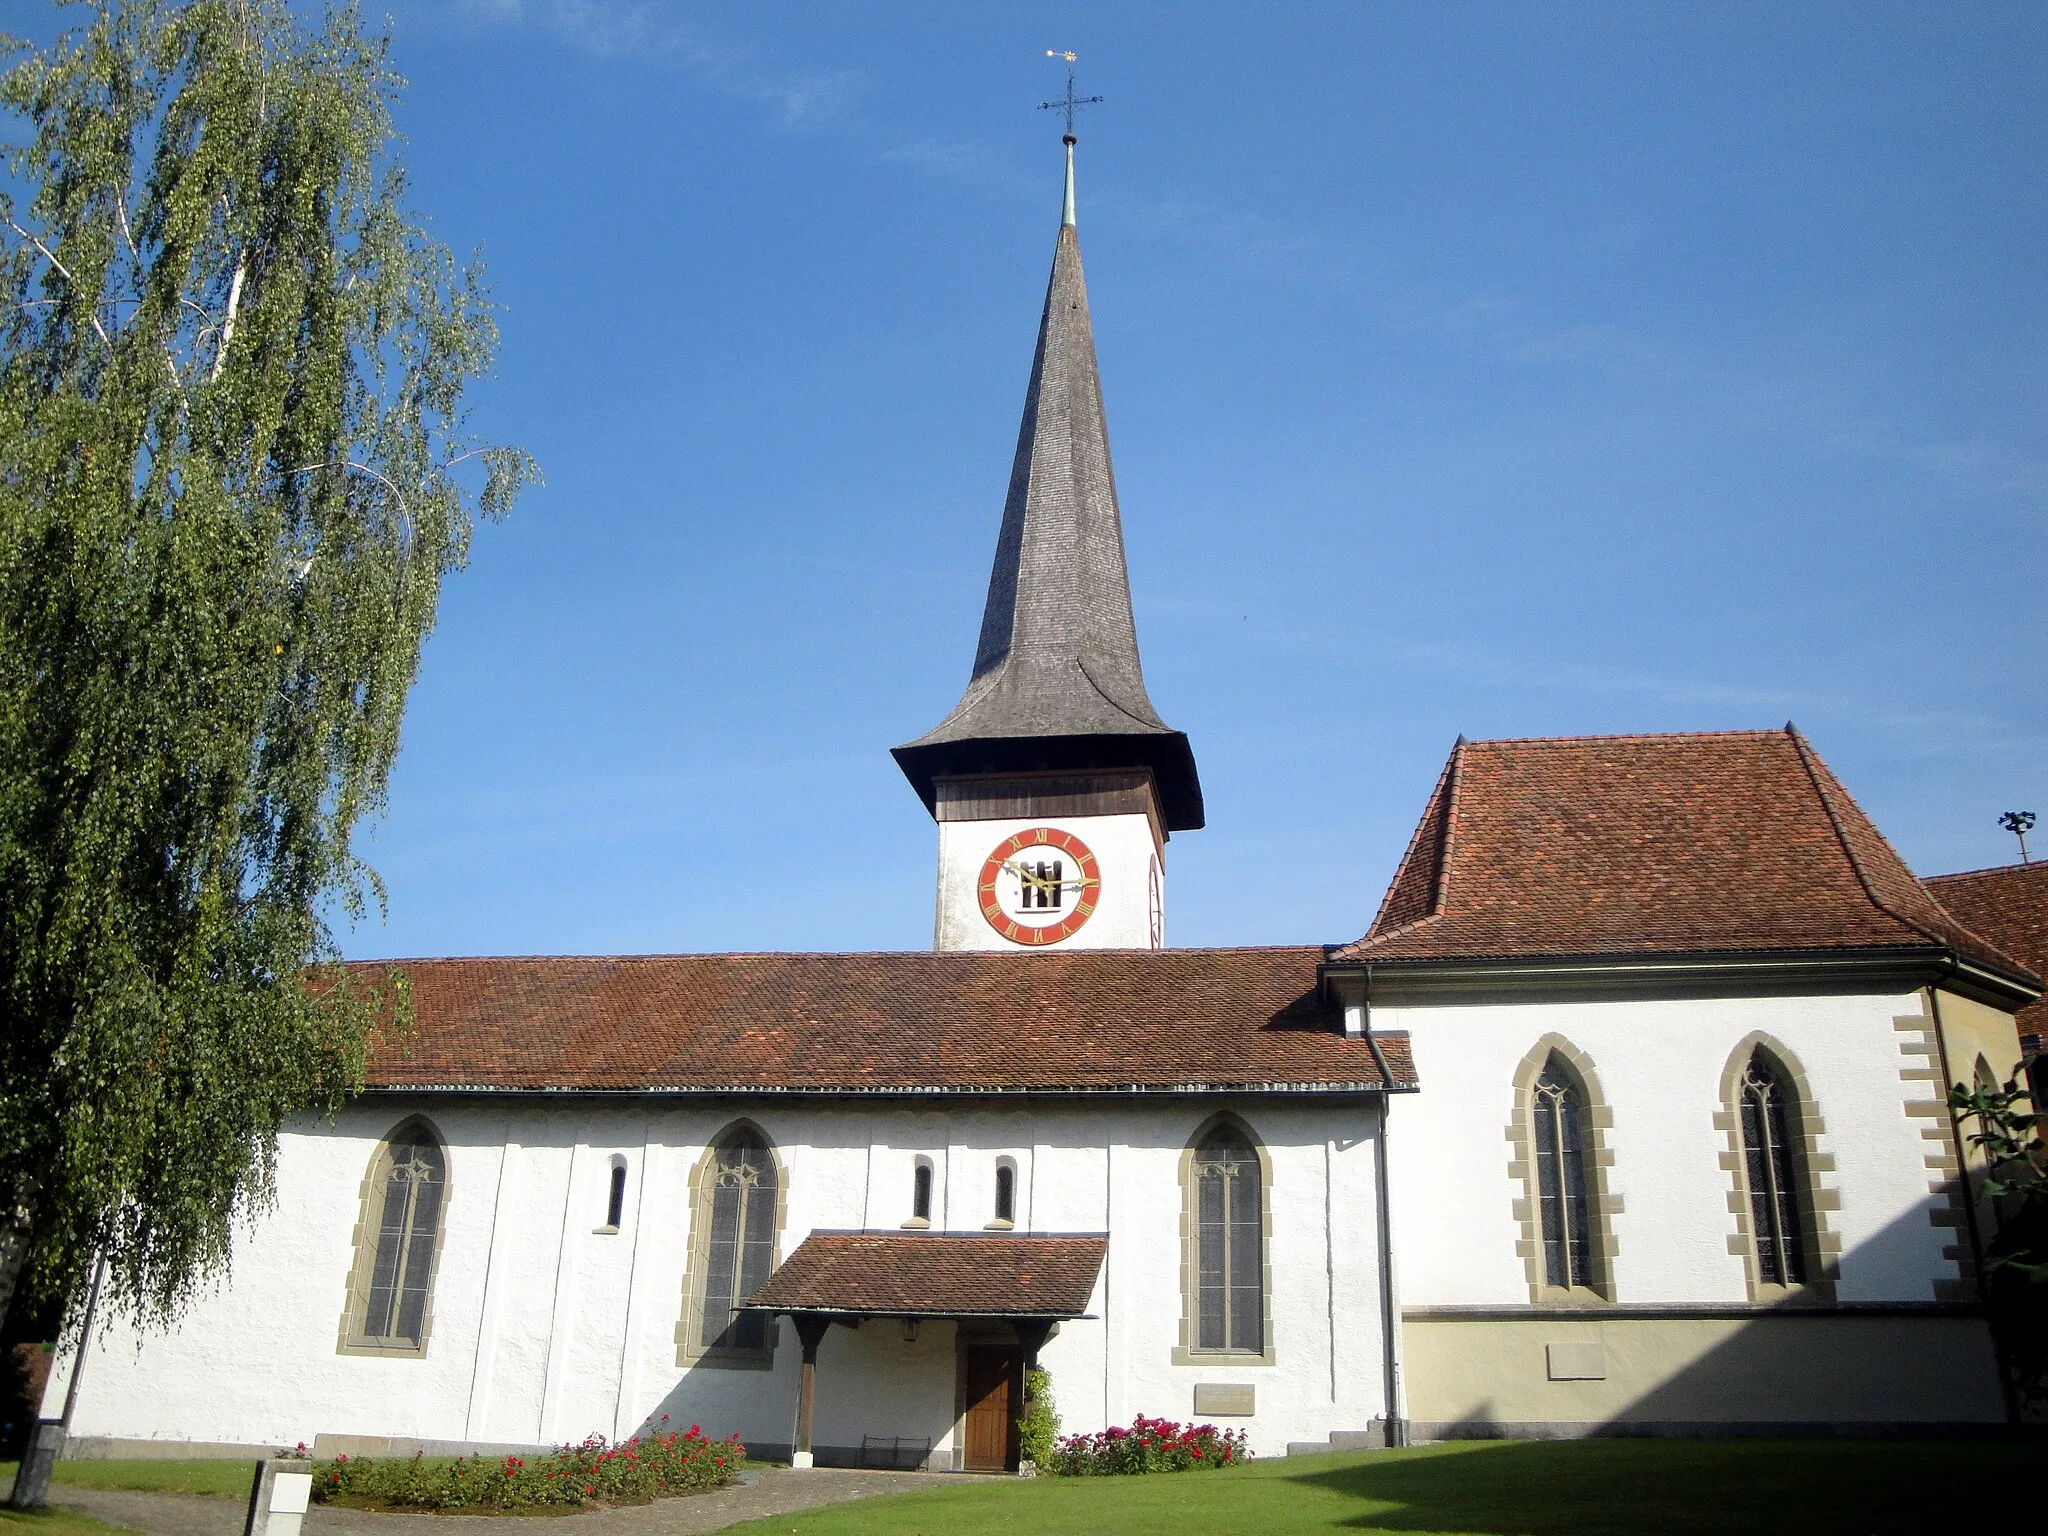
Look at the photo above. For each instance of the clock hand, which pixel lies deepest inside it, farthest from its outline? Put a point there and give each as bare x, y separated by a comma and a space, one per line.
1041, 881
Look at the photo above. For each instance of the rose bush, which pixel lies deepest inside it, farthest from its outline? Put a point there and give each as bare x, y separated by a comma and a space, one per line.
595, 1472
1149, 1445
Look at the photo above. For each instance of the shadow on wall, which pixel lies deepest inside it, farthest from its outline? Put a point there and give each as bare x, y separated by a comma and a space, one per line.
872, 1381
1797, 1368
1689, 1488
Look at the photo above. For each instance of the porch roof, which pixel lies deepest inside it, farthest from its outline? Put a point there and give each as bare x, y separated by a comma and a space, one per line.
937, 1274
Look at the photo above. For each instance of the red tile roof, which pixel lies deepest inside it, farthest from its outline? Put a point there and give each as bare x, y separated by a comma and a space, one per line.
937, 1274
2009, 906
1080, 1020
1737, 842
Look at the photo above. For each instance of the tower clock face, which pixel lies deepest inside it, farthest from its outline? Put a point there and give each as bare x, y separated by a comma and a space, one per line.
1039, 886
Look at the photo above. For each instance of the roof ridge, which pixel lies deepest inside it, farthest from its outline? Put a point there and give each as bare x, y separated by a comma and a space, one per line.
1992, 869
1634, 736
1441, 788
1081, 664
1810, 760
1307, 946
1440, 891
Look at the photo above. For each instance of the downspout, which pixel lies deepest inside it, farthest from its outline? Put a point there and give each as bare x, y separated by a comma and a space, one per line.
1397, 1424
1955, 1136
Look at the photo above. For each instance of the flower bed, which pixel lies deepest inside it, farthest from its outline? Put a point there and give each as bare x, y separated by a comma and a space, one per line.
1149, 1445
593, 1473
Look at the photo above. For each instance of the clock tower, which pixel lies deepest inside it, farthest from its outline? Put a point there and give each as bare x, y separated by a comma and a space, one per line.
1054, 782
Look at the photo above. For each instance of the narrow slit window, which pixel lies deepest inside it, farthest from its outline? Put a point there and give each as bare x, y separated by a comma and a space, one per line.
1006, 1193
1559, 1112
615, 1206
921, 1192
1774, 1208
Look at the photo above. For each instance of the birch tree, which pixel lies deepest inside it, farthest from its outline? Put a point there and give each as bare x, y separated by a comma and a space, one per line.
235, 465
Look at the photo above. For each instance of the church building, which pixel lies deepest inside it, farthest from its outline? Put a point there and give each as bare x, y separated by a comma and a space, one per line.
1623, 1115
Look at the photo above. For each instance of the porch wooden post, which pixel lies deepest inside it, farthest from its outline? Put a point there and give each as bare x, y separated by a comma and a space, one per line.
810, 1331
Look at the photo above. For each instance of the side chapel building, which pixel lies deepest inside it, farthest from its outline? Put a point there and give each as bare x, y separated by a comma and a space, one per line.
1625, 1115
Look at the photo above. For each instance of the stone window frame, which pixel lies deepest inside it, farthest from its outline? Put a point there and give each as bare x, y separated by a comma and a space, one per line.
1602, 1204
369, 1217
1185, 1352
1820, 1245
689, 1329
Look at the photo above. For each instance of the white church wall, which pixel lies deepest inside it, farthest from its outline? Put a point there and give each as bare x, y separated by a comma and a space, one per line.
545, 1329
1681, 1344
1659, 1066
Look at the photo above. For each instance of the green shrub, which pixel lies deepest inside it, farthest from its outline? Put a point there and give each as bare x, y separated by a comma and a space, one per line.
594, 1472
1038, 1432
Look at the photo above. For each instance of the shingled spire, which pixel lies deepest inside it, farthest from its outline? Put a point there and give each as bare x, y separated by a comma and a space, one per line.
1057, 684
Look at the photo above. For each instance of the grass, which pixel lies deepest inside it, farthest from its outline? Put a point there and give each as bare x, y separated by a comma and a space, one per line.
217, 1479
51, 1522
1574, 1488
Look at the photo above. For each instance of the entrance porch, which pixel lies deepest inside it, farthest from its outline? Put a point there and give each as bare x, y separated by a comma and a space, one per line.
904, 1297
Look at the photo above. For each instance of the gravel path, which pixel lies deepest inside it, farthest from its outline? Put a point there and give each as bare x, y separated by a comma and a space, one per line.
778, 1491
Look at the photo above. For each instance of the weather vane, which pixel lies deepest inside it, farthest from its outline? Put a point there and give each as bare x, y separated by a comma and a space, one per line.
1069, 103
2019, 824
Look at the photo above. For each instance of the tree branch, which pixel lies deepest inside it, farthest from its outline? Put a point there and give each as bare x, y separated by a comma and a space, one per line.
51, 258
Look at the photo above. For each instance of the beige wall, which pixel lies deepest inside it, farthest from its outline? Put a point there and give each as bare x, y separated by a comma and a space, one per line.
1972, 1029
1779, 1368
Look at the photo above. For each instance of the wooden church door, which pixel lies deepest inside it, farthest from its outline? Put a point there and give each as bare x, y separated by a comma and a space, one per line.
991, 1424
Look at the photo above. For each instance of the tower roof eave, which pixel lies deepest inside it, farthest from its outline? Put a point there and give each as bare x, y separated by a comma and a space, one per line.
1166, 754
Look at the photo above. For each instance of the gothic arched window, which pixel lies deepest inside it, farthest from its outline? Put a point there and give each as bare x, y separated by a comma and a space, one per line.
1565, 1213
1229, 1244
737, 1215
742, 1248
1558, 1115
1769, 1165
397, 1243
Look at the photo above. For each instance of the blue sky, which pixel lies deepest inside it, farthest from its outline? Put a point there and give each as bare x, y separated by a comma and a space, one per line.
1500, 369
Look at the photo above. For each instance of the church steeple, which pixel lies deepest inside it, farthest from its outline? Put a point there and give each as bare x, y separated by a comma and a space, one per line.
1057, 685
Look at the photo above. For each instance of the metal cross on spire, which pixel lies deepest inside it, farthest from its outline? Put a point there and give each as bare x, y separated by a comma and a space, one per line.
1069, 103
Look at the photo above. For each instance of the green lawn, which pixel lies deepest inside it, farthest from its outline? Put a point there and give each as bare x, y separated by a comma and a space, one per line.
1574, 1488
224, 1479
51, 1522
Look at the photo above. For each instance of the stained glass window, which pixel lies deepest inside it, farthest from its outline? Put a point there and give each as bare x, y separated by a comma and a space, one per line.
411, 1183
741, 1247
1559, 1112
1773, 1189
1230, 1291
